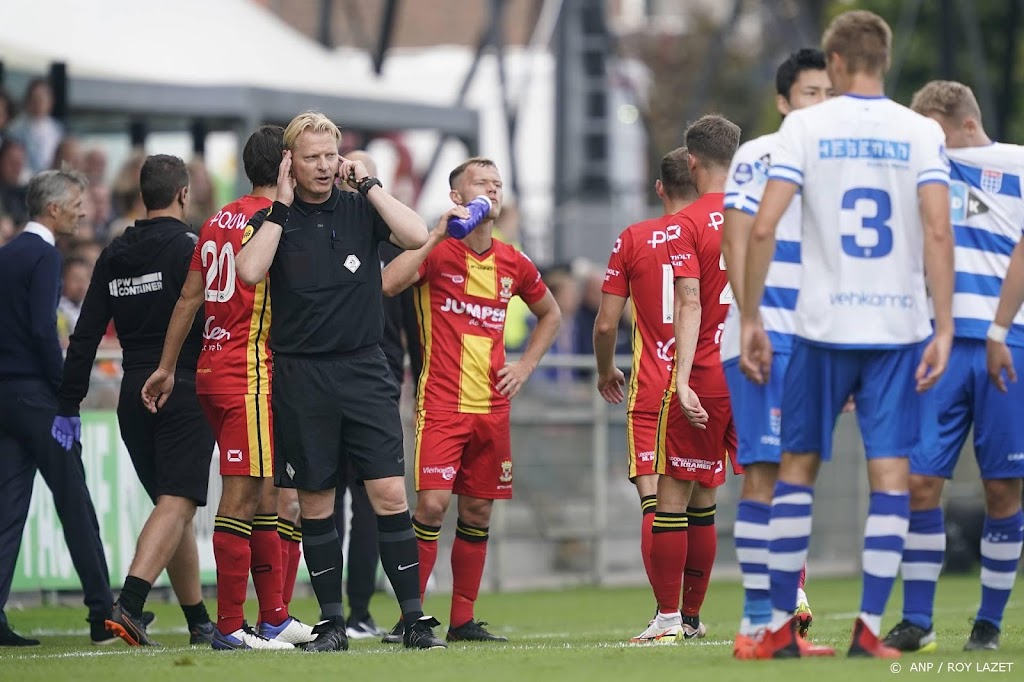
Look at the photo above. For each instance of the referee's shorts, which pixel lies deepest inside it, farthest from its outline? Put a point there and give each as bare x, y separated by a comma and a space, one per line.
329, 410
171, 450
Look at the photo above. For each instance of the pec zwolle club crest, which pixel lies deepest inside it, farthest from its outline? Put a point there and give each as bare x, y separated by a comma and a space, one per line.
506, 287
506, 471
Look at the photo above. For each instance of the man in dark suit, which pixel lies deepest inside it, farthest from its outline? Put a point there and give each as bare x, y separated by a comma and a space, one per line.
30, 373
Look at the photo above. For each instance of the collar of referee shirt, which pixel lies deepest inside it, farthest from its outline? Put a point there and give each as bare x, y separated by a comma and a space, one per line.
308, 209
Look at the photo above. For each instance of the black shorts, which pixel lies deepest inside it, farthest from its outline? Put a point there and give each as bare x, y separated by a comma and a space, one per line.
332, 410
171, 450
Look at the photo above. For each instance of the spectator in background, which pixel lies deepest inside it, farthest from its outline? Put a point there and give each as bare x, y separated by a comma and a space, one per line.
590, 303
69, 152
6, 112
87, 250
202, 206
566, 291
126, 195
12, 189
76, 275
36, 128
7, 230
94, 165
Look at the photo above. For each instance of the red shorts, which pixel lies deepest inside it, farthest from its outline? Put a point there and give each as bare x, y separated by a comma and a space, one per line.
690, 454
641, 443
469, 454
243, 425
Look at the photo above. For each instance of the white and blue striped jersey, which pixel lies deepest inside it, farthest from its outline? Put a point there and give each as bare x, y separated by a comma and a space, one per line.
987, 212
748, 176
859, 162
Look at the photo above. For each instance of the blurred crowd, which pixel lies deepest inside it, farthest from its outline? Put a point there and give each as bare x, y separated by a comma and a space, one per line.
32, 140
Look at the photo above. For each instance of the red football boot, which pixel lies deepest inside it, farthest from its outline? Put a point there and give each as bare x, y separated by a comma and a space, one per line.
866, 644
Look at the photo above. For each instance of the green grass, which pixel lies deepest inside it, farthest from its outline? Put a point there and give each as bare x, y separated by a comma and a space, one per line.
570, 635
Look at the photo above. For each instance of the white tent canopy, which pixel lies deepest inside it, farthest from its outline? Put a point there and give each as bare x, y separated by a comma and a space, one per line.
204, 57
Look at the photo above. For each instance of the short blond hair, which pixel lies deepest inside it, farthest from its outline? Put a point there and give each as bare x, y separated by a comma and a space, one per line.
861, 38
314, 121
950, 99
453, 177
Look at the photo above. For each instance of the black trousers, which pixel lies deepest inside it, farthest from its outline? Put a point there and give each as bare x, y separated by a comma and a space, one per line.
27, 409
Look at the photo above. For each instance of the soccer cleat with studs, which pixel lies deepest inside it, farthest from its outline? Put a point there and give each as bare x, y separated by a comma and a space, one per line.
866, 644
910, 638
804, 617
397, 634
473, 631
245, 638
330, 636
420, 635
984, 637
291, 631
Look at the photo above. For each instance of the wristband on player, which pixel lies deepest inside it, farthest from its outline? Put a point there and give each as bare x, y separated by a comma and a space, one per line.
279, 213
368, 183
997, 333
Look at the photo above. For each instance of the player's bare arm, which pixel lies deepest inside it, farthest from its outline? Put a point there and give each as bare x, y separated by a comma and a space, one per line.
408, 230
933, 200
253, 262
610, 378
158, 387
686, 324
1011, 298
755, 349
402, 272
735, 234
513, 375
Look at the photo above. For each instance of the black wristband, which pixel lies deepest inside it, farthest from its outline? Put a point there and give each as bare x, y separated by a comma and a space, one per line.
279, 213
368, 183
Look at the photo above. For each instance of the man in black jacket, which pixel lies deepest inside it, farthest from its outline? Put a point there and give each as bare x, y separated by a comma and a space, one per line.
30, 371
136, 282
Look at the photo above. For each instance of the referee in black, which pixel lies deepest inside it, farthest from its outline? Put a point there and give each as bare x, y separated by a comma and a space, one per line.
136, 282
335, 398
30, 372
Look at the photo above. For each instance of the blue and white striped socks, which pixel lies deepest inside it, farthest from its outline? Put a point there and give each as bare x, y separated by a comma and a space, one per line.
922, 562
789, 533
884, 537
751, 535
1001, 542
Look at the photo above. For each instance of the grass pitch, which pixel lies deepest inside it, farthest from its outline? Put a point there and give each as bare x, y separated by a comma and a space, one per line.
577, 634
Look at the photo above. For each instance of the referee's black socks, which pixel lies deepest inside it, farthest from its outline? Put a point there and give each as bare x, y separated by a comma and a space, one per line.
400, 558
324, 561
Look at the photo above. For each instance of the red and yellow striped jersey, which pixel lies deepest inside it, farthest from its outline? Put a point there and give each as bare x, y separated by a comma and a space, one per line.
235, 357
461, 300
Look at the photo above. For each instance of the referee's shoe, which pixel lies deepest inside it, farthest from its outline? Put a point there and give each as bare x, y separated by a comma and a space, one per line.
330, 636
420, 635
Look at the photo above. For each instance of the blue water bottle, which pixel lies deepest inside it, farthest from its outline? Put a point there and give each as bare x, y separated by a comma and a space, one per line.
479, 209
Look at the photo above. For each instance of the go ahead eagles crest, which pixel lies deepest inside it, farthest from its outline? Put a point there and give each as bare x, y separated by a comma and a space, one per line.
506, 288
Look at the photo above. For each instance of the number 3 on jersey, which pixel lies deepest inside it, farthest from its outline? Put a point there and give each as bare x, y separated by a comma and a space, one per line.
220, 271
877, 223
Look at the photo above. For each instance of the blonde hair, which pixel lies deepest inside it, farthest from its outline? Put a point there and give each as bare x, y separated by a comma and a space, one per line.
862, 38
950, 99
314, 121
453, 177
